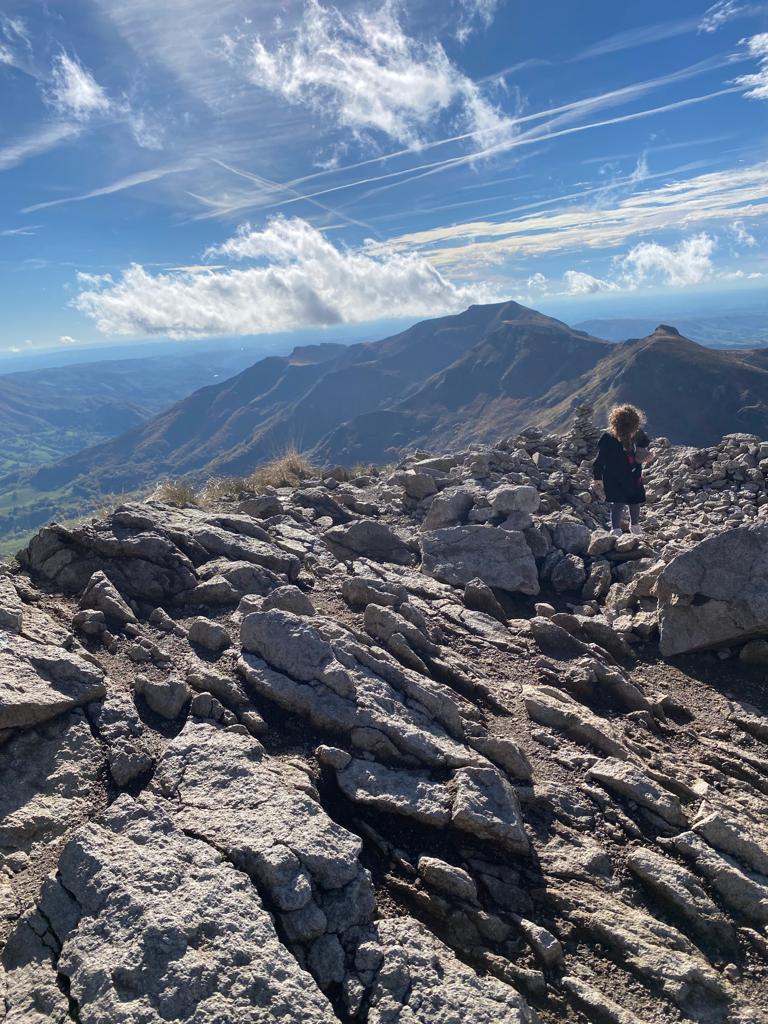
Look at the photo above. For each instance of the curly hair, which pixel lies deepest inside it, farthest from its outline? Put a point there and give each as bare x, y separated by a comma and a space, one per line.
624, 421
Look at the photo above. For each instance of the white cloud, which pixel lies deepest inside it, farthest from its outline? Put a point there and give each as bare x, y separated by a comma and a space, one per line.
757, 84
362, 70
579, 283
73, 91
687, 264
474, 13
67, 339
688, 204
718, 14
49, 136
743, 237
303, 280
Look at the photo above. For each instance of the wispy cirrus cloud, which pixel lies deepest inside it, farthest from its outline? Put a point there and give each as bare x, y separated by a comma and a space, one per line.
45, 138
740, 194
363, 73
73, 91
474, 14
719, 13
757, 83
129, 181
303, 280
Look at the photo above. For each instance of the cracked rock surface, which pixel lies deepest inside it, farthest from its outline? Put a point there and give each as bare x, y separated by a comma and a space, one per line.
427, 746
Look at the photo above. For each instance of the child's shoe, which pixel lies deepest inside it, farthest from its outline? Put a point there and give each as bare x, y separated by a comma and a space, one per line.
637, 529
618, 532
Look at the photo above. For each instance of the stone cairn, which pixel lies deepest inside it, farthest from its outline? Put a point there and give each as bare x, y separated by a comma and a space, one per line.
581, 441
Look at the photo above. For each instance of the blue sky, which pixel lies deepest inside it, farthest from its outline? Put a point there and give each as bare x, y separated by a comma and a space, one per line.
191, 169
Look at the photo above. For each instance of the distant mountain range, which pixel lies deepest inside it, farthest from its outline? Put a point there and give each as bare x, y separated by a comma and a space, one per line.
722, 330
49, 413
449, 382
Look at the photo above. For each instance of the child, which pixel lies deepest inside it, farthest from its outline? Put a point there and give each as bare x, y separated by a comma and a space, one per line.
618, 469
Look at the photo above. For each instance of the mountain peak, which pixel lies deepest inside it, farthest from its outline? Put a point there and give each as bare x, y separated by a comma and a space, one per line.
667, 329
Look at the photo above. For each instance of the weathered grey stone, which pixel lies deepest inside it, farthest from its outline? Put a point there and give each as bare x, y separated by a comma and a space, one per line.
118, 725
408, 793
450, 508
754, 653
165, 929
417, 979
319, 670
486, 805
570, 535
514, 498
212, 636
11, 608
261, 507
359, 592
655, 950
368, 538
447, 878
266, 816
498, 557
735, 834
630, 781
480, 598
743, 892
101, 595
680, 890
38, 682
289, 599
568, 574
166, 697
550, 706
715, 593
597, 1002
49, 782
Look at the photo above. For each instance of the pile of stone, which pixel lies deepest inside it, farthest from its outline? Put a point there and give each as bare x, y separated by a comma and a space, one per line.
402, 747
581, 441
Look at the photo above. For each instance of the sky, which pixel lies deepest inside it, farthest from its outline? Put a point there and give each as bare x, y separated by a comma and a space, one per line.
186, 169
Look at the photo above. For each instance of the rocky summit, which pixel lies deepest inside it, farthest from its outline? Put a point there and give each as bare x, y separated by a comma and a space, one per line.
426, 745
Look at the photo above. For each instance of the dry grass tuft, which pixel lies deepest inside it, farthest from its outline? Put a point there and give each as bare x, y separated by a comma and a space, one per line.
286, 470
175, 492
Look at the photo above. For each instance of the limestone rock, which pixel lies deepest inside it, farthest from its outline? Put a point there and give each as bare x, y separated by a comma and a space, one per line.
212, 636
289, 599
145, 896
38, 682
630, 781
368, 538
715, 593
101, 595
11, 608
499, 558
167, 697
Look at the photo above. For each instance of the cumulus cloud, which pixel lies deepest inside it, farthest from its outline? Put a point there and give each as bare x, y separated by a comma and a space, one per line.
73, 91
757, 84
300, 280
363, 71
718, 14
579, 283
686, 264
743, 237
67, 339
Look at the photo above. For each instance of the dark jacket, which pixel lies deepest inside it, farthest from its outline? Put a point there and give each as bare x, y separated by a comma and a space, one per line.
619, 469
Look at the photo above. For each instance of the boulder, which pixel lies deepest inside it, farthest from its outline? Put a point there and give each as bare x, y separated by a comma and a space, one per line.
11, 608
166, 697
38, 681
290, 599
101, 595
211, 636
570, 536
370, 539
715, 593
500, 558
450, 508
514, 498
